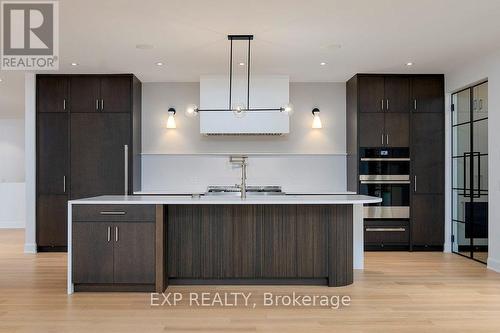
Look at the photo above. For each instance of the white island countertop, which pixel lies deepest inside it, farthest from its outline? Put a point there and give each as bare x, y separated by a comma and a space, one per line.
309, 199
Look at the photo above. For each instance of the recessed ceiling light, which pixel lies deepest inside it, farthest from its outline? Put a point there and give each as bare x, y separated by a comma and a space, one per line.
322, 63
241, 64
159, 64
74, 64
409, 64
1, 79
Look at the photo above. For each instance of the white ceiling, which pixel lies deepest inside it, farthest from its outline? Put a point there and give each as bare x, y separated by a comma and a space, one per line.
291, 36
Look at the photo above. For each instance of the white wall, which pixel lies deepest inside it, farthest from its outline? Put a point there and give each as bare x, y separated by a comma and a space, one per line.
306, 160
487, 67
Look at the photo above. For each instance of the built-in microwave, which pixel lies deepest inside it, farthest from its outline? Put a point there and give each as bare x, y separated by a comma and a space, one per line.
385, 173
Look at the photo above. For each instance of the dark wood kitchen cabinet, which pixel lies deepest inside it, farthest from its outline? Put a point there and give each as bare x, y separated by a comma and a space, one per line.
392, 110
114, 247
427, 94
105, 93
99, 148
52, 94
84, 123
384, 93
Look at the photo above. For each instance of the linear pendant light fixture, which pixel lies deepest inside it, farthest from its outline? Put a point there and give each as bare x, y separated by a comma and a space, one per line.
239, 111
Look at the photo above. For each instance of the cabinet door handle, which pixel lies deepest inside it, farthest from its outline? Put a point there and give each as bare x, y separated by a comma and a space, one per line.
415, 104
102, 105
382, 136
385, 229
97, 104
64, 104
64, 184
415, 183
387, 139
125, 161
382, 104
116, 234
387, 104
112, 213
109, 233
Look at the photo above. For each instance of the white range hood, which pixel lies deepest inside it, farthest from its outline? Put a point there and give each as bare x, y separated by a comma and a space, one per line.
266, 91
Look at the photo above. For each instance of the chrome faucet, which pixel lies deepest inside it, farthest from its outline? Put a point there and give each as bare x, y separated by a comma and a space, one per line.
241, 161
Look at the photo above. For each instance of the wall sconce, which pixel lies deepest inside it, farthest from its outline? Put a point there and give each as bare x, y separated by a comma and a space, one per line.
316, 119
171, 118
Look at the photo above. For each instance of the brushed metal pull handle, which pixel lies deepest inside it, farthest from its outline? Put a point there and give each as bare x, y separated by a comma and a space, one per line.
102, 105
64, 104
112, 213
125, 161
415, 183
116, 234
385, 229
415, 104
64, 184
480, 104
387, 139
97, 104
382, 104
109, 233
387, 104
382, 136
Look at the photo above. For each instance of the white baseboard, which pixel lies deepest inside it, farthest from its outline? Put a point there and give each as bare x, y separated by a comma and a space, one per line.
30, 248
12, 225
494, 264
447, 247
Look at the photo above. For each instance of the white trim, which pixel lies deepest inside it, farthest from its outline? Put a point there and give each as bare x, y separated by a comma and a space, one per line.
30, 248
494, 264
12, 225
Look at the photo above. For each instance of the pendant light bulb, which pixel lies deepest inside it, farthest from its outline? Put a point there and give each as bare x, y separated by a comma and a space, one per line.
316, 119
171, 118
288, 109
192, 111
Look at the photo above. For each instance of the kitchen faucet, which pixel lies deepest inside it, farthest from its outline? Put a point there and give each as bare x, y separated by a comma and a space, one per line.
241, 161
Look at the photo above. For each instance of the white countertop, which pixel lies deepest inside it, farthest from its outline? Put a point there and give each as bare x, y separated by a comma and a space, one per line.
313, 199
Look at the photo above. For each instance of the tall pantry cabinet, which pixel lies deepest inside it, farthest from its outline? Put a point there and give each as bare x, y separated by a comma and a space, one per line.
88, 143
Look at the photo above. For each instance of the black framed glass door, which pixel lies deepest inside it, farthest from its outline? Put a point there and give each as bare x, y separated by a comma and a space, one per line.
470, 172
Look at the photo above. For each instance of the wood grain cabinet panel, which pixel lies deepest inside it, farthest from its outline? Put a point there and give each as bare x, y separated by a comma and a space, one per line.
397, 94
115, 94
92, 252
134, 252
397, 129
52, 225
312, 241
53, 151
428, 94
84, 94
427, 219
371, 94
97, 154
371, 129
52, 94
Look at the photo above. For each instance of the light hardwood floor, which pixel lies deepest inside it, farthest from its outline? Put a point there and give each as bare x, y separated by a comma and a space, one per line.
397, 292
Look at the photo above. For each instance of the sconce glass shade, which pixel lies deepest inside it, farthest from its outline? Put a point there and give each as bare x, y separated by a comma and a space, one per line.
316, 119
171, 120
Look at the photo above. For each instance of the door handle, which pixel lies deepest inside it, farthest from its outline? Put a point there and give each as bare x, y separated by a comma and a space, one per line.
382, 136
116, 234
97, 104
387, 104
387, 139
415, 104
109, 233
415, 183
125, 161
102, 105
382, 104
64, 104
385, 229
113, 213
64, 184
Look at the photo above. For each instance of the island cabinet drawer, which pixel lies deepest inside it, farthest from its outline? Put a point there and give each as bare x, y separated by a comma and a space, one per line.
387, 233
116, 213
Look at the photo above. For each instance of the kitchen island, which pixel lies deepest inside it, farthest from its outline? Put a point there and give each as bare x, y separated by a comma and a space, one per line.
145, 243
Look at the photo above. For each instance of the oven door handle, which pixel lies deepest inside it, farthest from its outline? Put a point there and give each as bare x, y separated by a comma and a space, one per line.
382, 182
